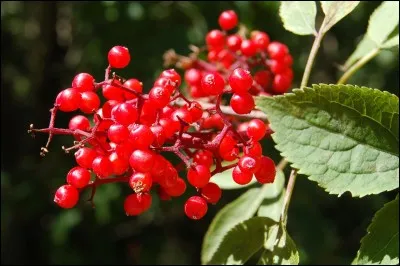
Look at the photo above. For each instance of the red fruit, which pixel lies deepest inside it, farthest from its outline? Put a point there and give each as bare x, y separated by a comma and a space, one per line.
248, 48
256, 129
125, 149
102, 166
242, 103
83, 82
140, 182
215, 39
172, 75
195, 110
260, 39
203, 157
111, 92
177, 189
228, 20
196, 207
248, 164
159, 135
119, 57
227, 148
211, 192
159, 96
135, 85
68, 100
277, 67
277, 50
263, 78
124, 114
170, 126
241, 177
165, 82
141, 136
281, 83
212, 55
183, 114
118, 133
240, 80
213, 83
79, 122
199, 176
233, 42
89, 103
78, 177
266, 172
255, 150
142, 160
193, 76
85, 156
119, 163
136, 204
66, 196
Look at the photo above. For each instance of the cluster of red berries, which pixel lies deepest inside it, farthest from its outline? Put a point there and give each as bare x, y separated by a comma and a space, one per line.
131, 130
269, 62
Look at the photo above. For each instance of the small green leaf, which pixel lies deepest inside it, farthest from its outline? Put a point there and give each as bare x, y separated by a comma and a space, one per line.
225, 181
272, 204
283, 253
242, 241
299, 16
334, 11
344, 137
392, 42
363, 48
232, 214
381, 244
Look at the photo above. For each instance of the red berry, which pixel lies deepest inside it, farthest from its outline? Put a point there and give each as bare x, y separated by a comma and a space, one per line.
199, 176
68, 100
233, 42
240, 80
170, 126
79, 122
277, 50
119, 57
212, 55
196, 207
227, 148
211, 192
142, 160
124, 114
263, 78
78, 177
213, 83
159, 135
204, 157
228, 20
215, 39
248, 48
111, 92
266, 172
260, 39
66, 196
159, 96
195, 110
90, 102
193, 76
177, 189
125, 149
134, 85
256, 129
276, 66
281, 83
241, 177
141, 136
255, 150
83, 82
85, 156
140, 182
102, 166
242, 103
183, 114
172, 75
166, 83
118, 133
119, 163
248, 164
136, 204
288, 60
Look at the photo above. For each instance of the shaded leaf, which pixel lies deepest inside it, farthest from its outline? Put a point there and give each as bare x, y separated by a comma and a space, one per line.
381, 244
344, 137
334, 11
299, 16
392, 42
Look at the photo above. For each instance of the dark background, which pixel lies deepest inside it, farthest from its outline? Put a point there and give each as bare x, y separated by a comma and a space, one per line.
45, 44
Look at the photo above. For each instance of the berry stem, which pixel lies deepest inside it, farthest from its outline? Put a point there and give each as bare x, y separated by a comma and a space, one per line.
311, 57
288, 195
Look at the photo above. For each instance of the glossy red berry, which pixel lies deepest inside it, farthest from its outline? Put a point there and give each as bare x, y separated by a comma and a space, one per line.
199, 176
159, 135
242, 103
193, 76
228, 20
260, 40
204, 157
227, 148
118, 133
89, 103
140, 182
102, 166
196, 207
281, 83
211, 192
248, 48
240, 80
136, 204
113, 92
119, 162
124, 114
266, 172
119, 57
159, 96
177, 189
79, 122
66, 196
78, 177
142, 160
195, 110
134, 85
233, 42
85, 156
263, 78
277, 50
83, 82
248, 164
254, 150
172, 75
68, 100
215, 39
182, 114
256, 129
213, 83
241, 177
141, 136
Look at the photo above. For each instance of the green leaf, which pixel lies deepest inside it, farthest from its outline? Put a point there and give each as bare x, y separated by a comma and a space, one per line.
225, 181
381, 244
232, 214
381, 24
344, 137
392, 42
299, 16
334, 11
272, 204
283, 253
242, 241
383, 21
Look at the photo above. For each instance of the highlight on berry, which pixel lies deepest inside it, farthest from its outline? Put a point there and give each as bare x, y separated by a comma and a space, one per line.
202, 116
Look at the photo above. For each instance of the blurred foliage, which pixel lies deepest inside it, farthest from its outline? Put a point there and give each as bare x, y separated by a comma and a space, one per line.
44, 44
